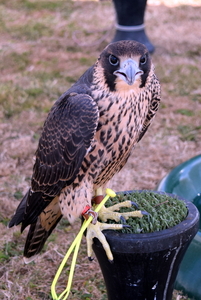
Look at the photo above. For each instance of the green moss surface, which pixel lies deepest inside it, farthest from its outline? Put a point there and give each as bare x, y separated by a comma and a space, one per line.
163, 211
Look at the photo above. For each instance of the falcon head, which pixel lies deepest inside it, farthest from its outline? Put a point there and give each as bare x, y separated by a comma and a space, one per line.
125, 65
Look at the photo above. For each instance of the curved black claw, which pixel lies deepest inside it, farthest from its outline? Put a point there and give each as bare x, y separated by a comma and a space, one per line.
123, 220
134, 204
145, 213
111, 261
90, 258
126, 226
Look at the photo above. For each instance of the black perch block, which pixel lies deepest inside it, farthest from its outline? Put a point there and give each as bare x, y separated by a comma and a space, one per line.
145, 266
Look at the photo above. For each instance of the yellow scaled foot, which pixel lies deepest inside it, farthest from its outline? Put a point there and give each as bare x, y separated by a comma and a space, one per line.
110, 212
95, 230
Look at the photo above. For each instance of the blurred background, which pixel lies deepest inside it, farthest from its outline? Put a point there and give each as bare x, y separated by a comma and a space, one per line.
45, 46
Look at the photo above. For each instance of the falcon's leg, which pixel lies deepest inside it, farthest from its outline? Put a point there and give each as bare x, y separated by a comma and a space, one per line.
95, 228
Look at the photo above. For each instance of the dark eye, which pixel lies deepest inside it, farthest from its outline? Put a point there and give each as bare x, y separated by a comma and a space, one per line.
143, 60
113, 60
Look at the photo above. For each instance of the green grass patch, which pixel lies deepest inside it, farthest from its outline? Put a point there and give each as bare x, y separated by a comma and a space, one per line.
4, 220
185, 112
63, 224
194, 52
186, 79
38, 5
52, 237
12, 99
33, 5
44, 76
80, 295
87, 61
3, 256
164, 211
196, 96
18, 62
9, 250
34, 91
72, 49
31, 31
18, 195
2, 22
15, 99
189, 132
71, 79
181, 80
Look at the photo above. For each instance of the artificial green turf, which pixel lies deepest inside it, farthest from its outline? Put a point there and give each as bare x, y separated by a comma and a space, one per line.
164, 211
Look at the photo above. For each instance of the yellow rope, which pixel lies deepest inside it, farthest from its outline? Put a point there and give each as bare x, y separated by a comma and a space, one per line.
75, 246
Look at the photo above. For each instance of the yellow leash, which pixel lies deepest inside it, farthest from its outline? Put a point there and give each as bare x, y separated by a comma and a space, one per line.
75, 245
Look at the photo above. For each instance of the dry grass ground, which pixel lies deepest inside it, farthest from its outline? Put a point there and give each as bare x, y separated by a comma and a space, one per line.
39, 60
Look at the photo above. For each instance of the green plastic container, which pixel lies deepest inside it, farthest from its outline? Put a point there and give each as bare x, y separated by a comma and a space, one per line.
185, 181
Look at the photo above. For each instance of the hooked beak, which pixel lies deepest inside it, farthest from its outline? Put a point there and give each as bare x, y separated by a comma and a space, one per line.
129, 71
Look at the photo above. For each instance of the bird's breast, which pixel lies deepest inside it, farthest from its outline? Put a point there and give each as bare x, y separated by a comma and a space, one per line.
119, 127
122, 113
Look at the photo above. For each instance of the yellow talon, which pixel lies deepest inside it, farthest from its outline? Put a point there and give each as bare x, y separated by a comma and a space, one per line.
95, 230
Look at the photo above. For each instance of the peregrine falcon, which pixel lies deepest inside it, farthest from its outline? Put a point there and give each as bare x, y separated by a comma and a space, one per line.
87, 138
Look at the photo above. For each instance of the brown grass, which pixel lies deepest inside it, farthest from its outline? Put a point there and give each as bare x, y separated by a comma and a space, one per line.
39, 60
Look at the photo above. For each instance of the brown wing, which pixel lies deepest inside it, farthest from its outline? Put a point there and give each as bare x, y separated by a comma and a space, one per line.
67, 135
155, 94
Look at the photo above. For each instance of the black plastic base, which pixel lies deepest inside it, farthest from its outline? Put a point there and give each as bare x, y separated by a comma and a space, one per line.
145, 265
139, 36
